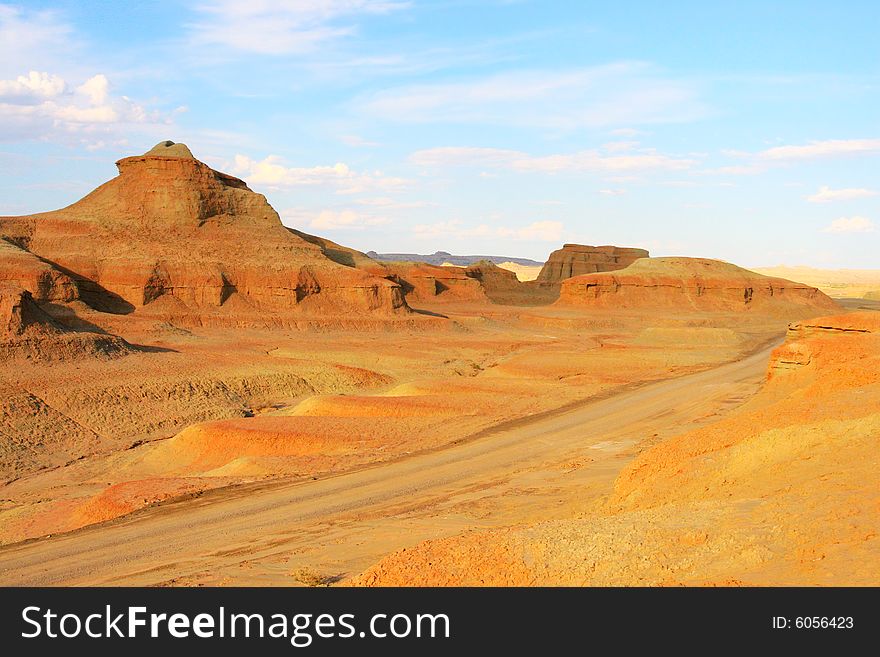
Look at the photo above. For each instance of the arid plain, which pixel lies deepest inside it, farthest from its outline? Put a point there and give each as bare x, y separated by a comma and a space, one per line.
193, 393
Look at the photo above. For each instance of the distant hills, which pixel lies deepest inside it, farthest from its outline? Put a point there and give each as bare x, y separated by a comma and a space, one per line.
441, 257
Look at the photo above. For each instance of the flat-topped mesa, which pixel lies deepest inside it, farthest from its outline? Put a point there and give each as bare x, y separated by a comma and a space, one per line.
170, 228
693, 284
576, 259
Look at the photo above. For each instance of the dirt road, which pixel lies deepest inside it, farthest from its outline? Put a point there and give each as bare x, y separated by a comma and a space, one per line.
554, 465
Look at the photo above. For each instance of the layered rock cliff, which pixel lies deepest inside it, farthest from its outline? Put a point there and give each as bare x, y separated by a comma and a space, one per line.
577, 259
691, 284
169, 226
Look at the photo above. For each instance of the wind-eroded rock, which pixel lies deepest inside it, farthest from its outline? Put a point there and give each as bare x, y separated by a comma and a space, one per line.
576, 259
20, 268
170, 226
26, 331
502, 286
691, 284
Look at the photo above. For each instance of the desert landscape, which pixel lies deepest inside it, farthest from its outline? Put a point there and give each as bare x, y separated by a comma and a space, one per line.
347, 297
195, 393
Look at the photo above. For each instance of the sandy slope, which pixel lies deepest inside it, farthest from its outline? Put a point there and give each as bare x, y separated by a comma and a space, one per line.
841, 283
535, 467
782, 491
523, 272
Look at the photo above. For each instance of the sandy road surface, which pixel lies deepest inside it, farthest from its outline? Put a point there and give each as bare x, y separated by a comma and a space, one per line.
531, 469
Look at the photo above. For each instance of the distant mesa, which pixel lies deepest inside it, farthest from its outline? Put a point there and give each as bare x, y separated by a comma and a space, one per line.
577, 259
442, 257
692, 284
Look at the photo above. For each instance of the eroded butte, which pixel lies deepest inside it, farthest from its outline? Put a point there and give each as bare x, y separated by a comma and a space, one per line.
194, 393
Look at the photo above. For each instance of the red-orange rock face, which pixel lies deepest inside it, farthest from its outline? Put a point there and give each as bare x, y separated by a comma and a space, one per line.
23, 269
577, 259
422, 282
691, 284
170, 226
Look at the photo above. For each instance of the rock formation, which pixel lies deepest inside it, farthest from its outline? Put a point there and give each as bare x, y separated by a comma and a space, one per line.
691, 284
423, 282
576, 259
20, 268
418, 281
171, 228
26, 331
502, 286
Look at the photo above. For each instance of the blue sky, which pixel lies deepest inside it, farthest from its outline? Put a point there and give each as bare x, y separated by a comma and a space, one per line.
748, 132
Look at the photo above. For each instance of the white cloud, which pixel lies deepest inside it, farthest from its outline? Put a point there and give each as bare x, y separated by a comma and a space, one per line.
281, 27
827, 195
827, 148
34, 85
760, 161
612, 192
621, 93
539, 231
272, 172
42, 105
332, 219
96, 89
587, 160
850, 225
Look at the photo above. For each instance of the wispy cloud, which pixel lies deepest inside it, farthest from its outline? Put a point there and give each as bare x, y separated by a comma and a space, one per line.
751, 163
387, 203
272, 172
586, 160
821, 149
538, 231
345, 219
32, 39
621, 93
281, 27
612, 192
827, 195
850, 225
358, 142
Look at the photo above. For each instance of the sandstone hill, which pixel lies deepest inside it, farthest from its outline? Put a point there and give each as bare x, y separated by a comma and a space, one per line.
172, 236
576, 259
839, 283
692, 284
